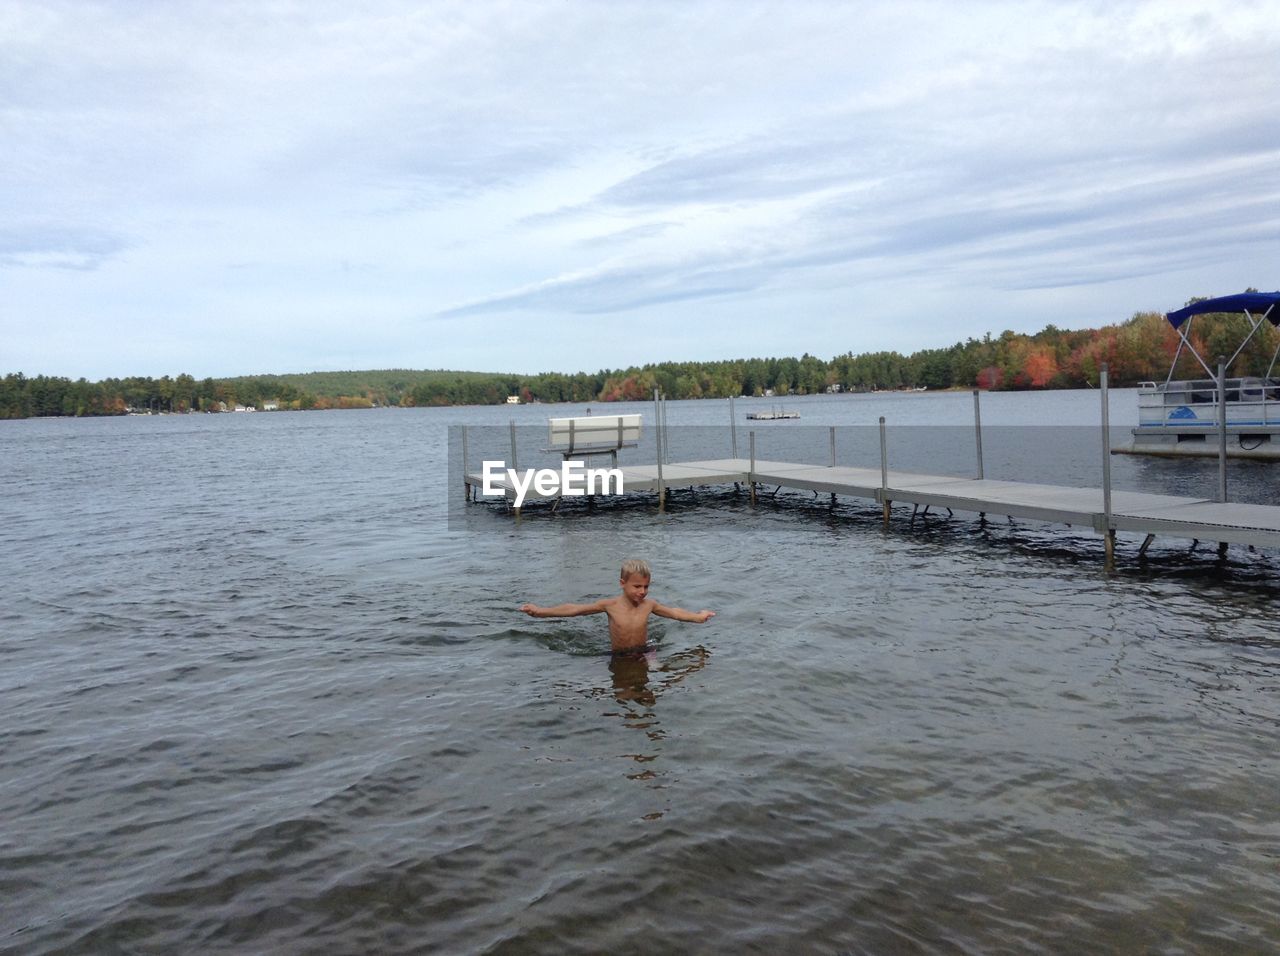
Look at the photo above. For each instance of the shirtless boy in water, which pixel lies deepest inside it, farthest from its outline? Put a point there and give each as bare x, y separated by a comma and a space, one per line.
628, 612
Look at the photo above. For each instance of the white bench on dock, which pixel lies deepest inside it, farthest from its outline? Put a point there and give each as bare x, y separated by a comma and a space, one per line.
593, 435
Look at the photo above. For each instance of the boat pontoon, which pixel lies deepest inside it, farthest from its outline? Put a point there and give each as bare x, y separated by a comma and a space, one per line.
1181, 416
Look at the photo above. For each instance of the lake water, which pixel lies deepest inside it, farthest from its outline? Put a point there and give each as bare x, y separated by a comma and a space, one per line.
264, 688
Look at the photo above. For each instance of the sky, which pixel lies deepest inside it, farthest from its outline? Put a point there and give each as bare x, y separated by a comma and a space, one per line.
231, 188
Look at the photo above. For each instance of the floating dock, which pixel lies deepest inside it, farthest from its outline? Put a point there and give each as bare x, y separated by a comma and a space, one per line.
1101, 509
1150, 514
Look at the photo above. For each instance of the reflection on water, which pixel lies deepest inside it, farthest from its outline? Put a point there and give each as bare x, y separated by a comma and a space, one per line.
637, 681
631, 689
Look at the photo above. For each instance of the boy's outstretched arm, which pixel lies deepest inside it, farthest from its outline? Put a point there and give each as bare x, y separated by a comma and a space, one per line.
564, 610
680, 614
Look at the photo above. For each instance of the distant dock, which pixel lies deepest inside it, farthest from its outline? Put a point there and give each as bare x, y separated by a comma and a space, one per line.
773, 415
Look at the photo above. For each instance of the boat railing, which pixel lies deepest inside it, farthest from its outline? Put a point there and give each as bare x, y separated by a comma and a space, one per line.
1250, 400
1205, 390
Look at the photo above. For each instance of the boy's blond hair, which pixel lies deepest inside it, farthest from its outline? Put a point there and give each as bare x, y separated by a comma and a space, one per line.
635, 566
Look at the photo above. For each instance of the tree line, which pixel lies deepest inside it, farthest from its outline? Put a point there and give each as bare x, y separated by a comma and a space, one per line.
1138, 350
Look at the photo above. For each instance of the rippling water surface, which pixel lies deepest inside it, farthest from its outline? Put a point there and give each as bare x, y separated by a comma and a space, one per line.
263, 688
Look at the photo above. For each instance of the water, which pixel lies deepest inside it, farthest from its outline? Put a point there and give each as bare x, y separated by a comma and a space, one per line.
263, 688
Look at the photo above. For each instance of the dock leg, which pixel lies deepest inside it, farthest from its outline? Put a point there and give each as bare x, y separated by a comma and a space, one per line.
1146, 543
752, 487
886, 506
1222, 549
1110, 562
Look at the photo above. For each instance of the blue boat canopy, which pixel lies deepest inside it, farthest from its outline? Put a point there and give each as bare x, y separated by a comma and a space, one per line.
1255, 303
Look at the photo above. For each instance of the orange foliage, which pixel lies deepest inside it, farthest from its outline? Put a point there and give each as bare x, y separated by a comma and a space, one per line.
990, 377
1040, 366
633, 388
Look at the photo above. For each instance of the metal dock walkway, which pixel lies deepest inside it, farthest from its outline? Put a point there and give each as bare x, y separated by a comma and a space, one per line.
1196, 518
1104, 510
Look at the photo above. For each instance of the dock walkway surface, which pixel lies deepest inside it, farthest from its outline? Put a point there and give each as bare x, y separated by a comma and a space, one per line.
1150, 514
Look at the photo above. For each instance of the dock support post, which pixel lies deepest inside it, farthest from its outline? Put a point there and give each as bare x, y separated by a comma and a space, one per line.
466, 485
1222, 429
751, 472
666, 452
659, 438
514, 465
977, 429
1108, 532
733, 430
657, 426
884, 474
833, 457
1222, 441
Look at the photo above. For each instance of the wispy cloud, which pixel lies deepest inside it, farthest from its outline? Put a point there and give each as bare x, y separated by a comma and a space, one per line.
57, 247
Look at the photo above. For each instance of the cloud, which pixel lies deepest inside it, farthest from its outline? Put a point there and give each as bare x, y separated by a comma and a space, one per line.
644, 230
58, 247
617, 289
1143, 213
979, 193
